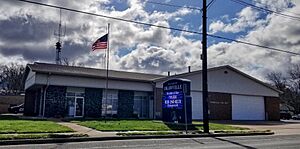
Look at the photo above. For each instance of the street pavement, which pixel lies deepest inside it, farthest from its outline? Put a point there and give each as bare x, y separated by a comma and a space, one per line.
249, 142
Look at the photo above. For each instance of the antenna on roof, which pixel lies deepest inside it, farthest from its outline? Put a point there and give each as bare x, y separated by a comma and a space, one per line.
60, 33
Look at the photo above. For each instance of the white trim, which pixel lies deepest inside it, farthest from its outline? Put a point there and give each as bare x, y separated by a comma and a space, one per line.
76, 106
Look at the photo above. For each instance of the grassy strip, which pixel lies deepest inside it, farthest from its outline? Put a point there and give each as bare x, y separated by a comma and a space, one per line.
16, 125
147, 125
23, 136
124, 125
215, 126
38, 136
147, 133
240, 131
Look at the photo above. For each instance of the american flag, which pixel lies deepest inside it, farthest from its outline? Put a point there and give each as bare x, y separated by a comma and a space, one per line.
101, 43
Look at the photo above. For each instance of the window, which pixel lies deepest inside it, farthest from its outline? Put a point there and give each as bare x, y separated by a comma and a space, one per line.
141, 104
71, 96
110, 106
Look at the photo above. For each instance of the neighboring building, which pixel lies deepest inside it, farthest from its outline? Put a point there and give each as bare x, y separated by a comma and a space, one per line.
7, 100
68, 91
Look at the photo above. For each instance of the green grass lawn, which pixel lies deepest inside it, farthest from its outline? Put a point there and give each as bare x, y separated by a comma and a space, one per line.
216, 126
15, 125
146, 125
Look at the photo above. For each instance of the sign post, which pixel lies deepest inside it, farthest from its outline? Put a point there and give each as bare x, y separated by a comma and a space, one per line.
185, 113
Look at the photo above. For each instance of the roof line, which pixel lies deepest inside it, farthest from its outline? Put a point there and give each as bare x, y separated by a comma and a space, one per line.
93, 68
193, 72
254, 79
94, 76
221, 67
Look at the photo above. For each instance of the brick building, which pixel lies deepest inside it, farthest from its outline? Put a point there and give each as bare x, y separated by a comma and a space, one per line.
69, 91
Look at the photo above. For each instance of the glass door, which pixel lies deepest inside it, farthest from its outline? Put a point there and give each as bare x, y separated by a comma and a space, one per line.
79, 106
71, 106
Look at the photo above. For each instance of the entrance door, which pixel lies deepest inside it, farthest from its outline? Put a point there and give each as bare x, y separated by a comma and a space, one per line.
79, 106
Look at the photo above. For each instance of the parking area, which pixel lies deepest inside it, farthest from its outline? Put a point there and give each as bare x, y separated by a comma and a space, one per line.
283, 127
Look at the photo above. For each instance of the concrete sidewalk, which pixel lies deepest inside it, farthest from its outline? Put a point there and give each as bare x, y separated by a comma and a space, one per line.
283, 127
85, 130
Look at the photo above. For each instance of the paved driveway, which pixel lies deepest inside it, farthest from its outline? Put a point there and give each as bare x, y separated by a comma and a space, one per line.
283, 127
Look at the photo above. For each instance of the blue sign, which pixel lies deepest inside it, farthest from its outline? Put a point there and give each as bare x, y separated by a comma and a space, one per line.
173, 99
175, 91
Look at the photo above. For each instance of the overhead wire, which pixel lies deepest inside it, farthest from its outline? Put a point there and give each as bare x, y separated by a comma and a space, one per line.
280, 9
109, 17
292, 17
172, 5
158, 26
252, 44
210, 4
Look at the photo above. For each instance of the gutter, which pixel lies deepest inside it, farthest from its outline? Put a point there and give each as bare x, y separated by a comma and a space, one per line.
99, 77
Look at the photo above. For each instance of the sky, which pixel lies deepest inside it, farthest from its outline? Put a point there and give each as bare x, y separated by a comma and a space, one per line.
27, 34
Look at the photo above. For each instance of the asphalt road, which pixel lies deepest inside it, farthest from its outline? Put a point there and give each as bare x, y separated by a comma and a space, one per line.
250, 142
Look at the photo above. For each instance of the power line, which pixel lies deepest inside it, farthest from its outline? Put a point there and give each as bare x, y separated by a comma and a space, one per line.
281, 10
158, 26
252, 44
210, 4
109, 17
172, 5
241, 2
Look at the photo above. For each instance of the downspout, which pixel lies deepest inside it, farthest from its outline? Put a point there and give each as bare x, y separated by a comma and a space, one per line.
45, 93
154, 98
41, 102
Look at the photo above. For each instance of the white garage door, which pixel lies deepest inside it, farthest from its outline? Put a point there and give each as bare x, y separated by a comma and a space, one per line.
248, 108
197, 108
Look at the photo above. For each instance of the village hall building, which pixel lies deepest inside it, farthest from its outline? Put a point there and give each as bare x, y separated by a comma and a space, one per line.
70, 91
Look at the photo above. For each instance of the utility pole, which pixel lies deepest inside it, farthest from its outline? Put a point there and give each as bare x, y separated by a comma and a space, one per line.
204, 68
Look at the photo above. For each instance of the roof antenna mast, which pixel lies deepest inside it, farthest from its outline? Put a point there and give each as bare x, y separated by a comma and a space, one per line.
60, 33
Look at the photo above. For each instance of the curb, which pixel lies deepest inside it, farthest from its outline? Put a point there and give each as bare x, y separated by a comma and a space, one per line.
82, 139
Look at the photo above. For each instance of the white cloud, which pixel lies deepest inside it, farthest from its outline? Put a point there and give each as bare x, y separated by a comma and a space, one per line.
246, 18
278, 32
82, 30
276, 5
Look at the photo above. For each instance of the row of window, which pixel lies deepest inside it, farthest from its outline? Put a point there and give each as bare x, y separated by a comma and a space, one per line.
141, 105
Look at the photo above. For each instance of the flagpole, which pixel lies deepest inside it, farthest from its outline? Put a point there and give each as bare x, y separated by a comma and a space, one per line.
107, 66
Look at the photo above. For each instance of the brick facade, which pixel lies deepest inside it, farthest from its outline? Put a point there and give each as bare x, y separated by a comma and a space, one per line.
220, 106
93, 102
29, 102
158, 103
56, 105
272, 108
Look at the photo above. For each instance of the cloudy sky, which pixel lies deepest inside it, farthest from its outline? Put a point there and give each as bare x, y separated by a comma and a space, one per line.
27, 34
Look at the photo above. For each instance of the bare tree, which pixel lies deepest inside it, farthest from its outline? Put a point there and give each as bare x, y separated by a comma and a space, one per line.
278, 80
289, 85
11, 77
295, 77
294, 73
